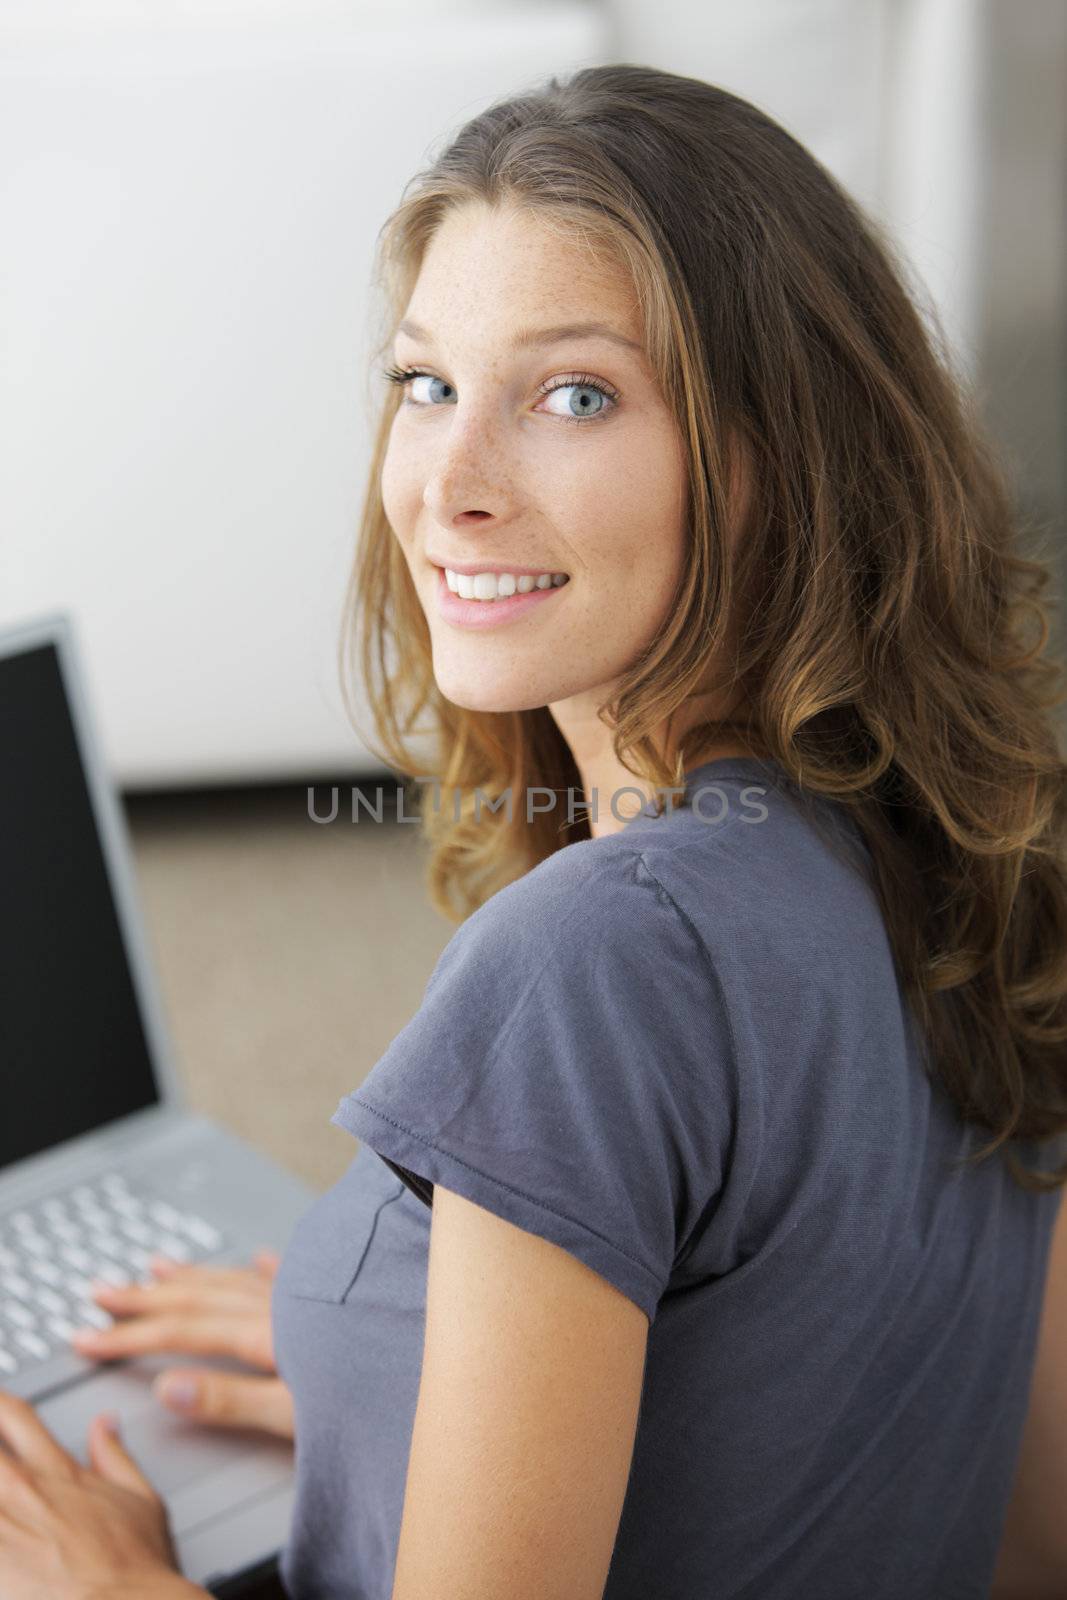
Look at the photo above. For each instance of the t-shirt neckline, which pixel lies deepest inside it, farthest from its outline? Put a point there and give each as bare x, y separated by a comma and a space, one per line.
767, 768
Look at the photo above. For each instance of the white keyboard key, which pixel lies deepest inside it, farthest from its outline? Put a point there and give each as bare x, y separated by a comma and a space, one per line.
54, 1208
22, 1221
77, 1257
108, 1244
14, 1283
170, 1246
61, 1327
7, 1361
164, 1214
136, 1230
83, 1193
140, 1259
47, 1271
202, 1232
81, 1287
8, 1258
50, 1300
112, 1274
33, 1343
63, 1229
37, 1244
127, 1204
124, 1257
113, 1182
90, 1312
21, 1315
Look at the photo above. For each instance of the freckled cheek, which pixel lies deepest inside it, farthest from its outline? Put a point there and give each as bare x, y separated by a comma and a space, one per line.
401, 492
587, 500
632, 518
623, 580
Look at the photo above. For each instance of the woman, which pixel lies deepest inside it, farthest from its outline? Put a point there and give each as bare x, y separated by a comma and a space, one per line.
737, 1102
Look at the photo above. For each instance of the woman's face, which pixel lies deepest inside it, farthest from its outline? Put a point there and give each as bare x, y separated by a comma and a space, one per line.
532, 444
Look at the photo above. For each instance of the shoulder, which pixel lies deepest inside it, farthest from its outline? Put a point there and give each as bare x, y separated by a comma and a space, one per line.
749, 878
589, 899
764, 867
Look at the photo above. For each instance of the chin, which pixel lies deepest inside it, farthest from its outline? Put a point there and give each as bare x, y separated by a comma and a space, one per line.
492, 695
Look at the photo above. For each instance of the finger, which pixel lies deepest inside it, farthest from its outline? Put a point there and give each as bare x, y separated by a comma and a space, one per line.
188, 1272
162, 1266
217, 1397
237, 1289
267, 1261
165, 1267
109, 1456
207, 1334
26, 1436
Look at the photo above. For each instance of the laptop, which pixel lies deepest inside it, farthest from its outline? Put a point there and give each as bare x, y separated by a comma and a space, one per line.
101, 1164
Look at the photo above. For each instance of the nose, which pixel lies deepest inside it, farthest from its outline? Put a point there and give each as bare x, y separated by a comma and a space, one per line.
471, 480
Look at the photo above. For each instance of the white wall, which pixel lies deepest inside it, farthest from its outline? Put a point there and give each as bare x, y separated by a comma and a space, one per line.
886, 93
188, 207
188, 212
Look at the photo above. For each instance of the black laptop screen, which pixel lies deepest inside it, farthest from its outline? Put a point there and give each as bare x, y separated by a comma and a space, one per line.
73, 1051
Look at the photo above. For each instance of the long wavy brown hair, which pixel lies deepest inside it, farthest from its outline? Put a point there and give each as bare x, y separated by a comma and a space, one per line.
894, 653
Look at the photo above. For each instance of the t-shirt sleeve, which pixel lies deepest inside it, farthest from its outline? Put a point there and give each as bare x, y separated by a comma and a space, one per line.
570, 1069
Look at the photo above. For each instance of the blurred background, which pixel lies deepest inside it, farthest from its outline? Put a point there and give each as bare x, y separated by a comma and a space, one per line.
189, 197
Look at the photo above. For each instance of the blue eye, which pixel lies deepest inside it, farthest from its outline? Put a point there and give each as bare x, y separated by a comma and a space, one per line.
407, 378
585, 400
589, 397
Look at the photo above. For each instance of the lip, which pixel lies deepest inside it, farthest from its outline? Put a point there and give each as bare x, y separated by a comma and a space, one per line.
470, 568
489, 613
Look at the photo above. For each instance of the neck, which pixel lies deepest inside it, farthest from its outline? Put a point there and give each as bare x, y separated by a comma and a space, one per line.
599, 768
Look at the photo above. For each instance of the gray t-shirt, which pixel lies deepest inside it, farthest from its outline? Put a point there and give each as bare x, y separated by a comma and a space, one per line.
681, 1052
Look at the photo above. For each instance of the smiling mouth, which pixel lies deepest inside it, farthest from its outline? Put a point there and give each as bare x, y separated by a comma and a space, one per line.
501, 585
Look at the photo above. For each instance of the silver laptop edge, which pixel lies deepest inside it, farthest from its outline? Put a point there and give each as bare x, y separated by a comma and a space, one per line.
58, 628
222, 1547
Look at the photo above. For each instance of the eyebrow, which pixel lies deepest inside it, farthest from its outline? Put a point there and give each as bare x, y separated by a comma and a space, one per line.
528, 337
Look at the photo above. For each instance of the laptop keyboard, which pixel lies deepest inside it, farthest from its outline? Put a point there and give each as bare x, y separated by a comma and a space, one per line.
49, 1252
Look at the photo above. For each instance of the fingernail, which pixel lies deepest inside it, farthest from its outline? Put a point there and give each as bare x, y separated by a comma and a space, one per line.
85, 1335
180, 1392
110, 1422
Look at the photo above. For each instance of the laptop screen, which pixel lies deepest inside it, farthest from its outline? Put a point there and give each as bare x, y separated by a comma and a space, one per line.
73, 1049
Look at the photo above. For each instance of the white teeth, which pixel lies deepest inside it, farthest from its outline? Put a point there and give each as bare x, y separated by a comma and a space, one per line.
499, 585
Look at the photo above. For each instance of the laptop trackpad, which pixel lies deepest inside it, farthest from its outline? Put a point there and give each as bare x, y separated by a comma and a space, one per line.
177, 1455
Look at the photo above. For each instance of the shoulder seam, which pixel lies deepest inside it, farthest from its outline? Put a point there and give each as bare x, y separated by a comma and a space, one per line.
570, 910
724, 1008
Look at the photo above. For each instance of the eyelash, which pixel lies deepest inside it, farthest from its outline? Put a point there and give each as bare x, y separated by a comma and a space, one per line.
573, 380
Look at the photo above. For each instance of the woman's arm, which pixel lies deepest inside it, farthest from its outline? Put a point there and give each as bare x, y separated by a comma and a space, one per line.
526, 1418
168, 1588
1032, 1564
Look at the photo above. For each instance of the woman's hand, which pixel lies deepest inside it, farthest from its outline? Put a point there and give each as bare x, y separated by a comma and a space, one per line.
72, 1532
202, 1310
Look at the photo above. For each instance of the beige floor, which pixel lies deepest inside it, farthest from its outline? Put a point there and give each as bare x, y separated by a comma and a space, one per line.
289, 953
